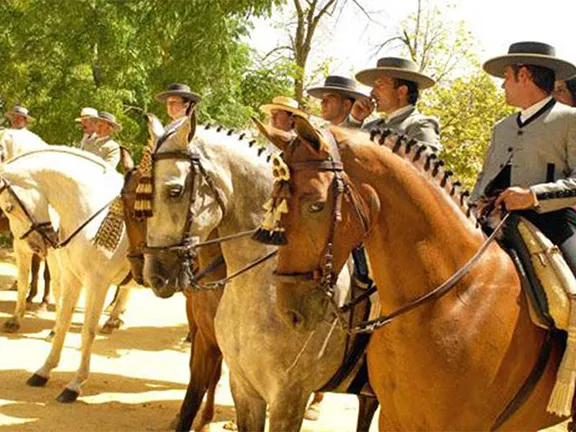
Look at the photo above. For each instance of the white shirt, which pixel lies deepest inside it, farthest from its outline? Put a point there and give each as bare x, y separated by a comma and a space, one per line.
531, 110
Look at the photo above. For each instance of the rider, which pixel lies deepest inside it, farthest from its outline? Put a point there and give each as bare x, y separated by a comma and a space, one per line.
337, 96
101, 143
178, 98
87, 123
20, 118
530, 165
396, 84
281, 111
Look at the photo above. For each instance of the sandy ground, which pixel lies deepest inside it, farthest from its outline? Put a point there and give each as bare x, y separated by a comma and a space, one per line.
139, 373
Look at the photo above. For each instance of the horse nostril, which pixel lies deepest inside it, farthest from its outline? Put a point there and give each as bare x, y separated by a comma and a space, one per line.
158, 282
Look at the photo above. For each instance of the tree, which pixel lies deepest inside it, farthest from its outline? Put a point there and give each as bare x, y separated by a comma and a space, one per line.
56, 57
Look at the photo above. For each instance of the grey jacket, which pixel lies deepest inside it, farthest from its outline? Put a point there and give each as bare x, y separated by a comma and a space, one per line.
542, 155
104, 147
413, 124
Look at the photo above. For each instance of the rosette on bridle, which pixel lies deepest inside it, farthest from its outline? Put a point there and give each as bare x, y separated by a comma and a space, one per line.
271, 230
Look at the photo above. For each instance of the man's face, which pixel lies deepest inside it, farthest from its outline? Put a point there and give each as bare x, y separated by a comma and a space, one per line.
562, 94
386, 95
176, 107
335, 107
87, 125
103, 128
512, 86
18, 121
282, 120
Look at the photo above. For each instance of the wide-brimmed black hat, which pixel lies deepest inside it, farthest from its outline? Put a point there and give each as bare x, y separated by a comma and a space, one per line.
338, 84
19, 110
395, 67
181, 90
110, 119
531, 53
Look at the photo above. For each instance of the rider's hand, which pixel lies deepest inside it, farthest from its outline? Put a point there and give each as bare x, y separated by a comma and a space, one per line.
361, 109
517, 198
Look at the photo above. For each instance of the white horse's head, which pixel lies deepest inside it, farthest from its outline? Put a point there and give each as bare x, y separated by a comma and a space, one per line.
185, 199
28, 213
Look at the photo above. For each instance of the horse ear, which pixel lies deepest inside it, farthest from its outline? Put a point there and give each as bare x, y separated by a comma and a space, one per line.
126, 159
277, 137
308, 133
155, 128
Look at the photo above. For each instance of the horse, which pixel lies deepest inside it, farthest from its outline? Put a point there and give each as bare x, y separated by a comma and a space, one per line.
455, 362
81, 189
206, 181
205, 356
14, 142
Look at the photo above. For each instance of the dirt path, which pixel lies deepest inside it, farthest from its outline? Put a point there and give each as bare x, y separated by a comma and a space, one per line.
139, 373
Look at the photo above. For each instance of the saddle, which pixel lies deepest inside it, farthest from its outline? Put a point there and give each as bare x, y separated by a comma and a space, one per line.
550, 288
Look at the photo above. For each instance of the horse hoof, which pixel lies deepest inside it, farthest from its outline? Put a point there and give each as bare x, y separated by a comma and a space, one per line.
312, 413
50, 336
37, 381
29, 305
11, 326
43, 307
111, 325
230, 425
67, 396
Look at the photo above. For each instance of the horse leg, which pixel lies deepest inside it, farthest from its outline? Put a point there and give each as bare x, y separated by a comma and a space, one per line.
115, 320
367, 408
250, 407
95, 297
70, 292
209, 408
52, 263
287, 410
23, 260
313, 411
35, 271
205, 362
47, 280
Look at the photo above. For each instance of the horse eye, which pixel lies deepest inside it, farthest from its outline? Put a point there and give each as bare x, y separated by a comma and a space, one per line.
316, 207
176, 191
9, 208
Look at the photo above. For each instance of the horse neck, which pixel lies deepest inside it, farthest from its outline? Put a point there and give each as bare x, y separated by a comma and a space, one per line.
72, 198
22, 142
246, 181
420, 237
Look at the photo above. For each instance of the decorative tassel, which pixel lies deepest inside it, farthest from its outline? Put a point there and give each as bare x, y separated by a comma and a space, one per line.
560, 402
110, 231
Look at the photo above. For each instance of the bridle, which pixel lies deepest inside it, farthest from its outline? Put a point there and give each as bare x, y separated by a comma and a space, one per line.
184, 248
45, 229
324, 277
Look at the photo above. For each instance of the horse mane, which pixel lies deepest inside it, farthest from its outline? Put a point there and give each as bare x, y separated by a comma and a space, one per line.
265, 150
424, 160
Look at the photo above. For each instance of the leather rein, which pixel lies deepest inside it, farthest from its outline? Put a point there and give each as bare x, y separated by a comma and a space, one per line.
45, 228
324, 277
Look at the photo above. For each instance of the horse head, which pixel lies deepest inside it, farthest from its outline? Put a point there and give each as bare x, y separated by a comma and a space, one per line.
182, 201
317, 217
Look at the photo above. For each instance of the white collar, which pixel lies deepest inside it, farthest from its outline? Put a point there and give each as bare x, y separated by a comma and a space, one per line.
530, 111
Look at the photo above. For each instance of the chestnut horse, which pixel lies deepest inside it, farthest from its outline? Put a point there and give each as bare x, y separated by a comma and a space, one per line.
453, 363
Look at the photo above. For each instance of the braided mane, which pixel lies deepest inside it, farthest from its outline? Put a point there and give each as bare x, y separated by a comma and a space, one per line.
427, 162
264, 151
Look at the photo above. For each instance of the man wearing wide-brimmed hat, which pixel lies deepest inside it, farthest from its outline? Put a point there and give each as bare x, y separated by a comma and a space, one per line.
178, 98
337, 96
396, 85
530, 165
101, 143
88, 125
19, 117
281, 112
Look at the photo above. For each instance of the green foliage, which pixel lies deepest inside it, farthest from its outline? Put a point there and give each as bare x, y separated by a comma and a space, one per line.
467, 109
58, 56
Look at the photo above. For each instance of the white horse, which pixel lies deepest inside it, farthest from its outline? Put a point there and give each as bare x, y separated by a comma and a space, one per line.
270, 364
15, 142
79, 187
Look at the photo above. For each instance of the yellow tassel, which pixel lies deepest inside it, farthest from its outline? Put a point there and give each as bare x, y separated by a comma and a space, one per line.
269, 221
